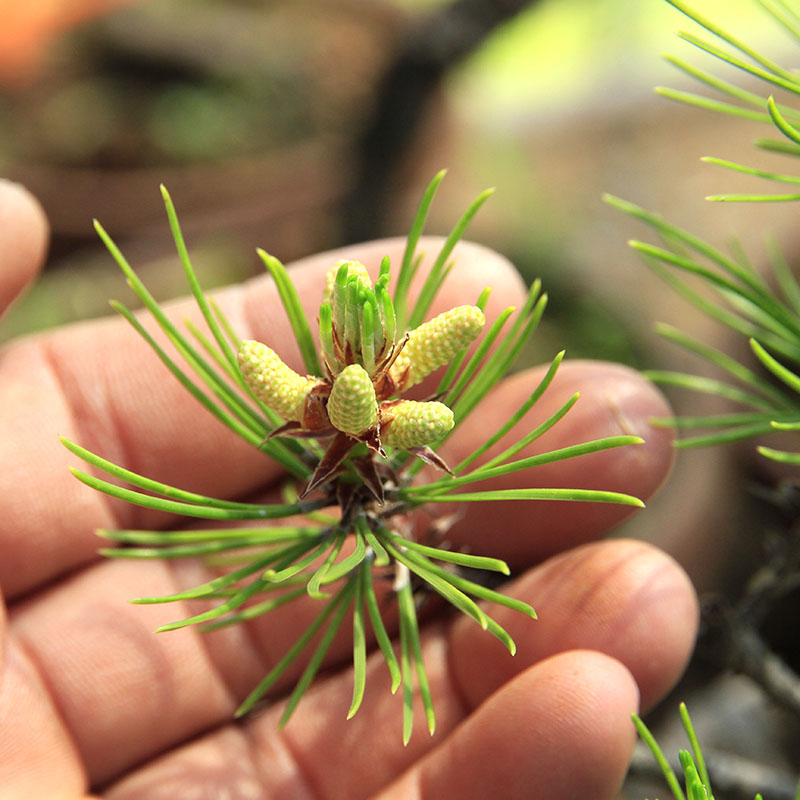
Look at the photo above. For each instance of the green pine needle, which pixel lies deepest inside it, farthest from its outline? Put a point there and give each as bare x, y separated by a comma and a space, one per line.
280, 668
463, 559
661, 759
412, 663
409, 263
709, 104
777, 369
378, 628
695, 744
194, 284
578, 495
759, 173
315, 663
776, 146
359, 649
515, 417
420, 567
735, 42
294, 311
256, 610
722, 86
781, 456
237, 600
203, 511
488, 473
752, 198
436, 276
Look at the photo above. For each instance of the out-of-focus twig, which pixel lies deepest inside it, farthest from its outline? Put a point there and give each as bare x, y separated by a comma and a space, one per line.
730, 633
742, 649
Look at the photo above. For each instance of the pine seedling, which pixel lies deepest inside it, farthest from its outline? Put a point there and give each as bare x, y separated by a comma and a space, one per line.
763, 309
352, 446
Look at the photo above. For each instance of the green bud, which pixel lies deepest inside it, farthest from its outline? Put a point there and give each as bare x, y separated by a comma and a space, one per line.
386, 309
368, 336
351, 331
410, 423
339, 273
377, 327
434, 344
383, 273
277, 386
326, 335
352, 406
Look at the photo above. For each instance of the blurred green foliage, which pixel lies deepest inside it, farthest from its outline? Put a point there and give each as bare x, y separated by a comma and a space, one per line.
558, 52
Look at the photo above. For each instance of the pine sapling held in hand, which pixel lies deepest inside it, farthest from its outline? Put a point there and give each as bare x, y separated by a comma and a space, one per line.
352, 445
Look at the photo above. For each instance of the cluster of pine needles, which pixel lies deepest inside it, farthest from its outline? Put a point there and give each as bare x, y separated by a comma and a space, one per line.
352, 449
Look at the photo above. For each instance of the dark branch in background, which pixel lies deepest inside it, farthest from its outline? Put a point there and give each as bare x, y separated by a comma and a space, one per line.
732, 635
402, 97
733, 777
736, 645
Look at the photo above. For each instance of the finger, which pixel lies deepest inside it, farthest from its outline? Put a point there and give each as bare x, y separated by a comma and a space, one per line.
614, 401
574, 703
100, 385
319, 753
92, 645
220, 764
625, 599
37, 755
23, 240
560, 730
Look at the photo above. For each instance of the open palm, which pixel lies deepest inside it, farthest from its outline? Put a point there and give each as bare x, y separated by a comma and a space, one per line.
92, 701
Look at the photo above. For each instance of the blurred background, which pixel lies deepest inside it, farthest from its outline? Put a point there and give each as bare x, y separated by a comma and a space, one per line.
303, 125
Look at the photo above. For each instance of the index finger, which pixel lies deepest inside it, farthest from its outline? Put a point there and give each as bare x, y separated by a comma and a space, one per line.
23, 246
99, 384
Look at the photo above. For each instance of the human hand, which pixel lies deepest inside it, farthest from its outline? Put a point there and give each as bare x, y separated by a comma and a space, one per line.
91, 699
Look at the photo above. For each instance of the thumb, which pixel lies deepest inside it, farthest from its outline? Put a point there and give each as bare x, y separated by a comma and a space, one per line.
23, 240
